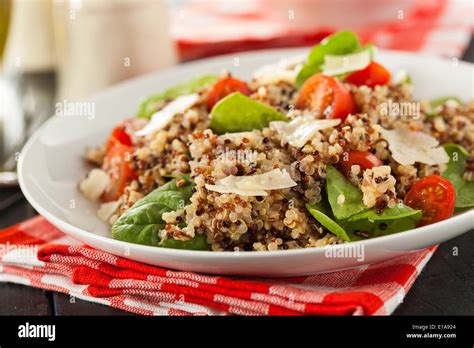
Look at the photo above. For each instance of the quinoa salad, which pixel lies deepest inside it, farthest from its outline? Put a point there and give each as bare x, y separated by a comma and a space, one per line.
315, 150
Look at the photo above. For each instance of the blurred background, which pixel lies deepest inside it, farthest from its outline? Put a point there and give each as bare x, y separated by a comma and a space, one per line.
56, 50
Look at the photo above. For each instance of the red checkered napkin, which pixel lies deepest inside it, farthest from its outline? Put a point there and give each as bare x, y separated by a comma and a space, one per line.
35, 253
438, 27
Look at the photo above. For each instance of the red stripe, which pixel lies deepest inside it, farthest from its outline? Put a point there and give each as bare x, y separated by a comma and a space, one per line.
14, 236
122, 273
32, 231
368, 301
398, 273
98, 291
45, 252
87, 275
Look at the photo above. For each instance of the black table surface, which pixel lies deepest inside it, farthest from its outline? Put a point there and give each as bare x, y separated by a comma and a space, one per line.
445, 287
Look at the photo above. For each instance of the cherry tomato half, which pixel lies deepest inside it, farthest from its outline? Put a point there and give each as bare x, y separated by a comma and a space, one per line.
366, 160
435, 196
117, 163
327, 96
223, 88
374, 74
118, 136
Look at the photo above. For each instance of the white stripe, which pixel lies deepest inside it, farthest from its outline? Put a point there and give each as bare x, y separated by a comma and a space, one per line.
195, 277
63, 282
278, 302
146, 306
394, 301
191, 307
171, 280
11, 278
24, 255
292, 295
237, 302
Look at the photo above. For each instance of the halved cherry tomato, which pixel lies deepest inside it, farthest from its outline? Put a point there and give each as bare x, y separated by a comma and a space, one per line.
117, 163
435, 196
374, 74
366, 160
223, 88
327, 96
118, 136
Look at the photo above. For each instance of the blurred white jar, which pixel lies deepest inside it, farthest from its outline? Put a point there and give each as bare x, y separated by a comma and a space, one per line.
102, 42
30, 46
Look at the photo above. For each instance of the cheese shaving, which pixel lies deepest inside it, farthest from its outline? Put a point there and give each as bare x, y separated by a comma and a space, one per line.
301, 129
336, 65
161, 118
253, 185
408, 147
285, 70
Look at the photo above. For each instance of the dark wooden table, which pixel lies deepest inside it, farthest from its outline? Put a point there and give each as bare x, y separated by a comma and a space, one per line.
445, 287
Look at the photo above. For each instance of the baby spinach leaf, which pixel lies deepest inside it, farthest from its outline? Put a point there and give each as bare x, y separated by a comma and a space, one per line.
336, 185
238, 113
197, 243
398, 212
142, 222
323, 215
149, 106
392, 220
454, 172
340, 43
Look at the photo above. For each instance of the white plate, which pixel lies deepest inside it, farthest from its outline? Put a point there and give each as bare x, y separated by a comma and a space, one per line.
51, 164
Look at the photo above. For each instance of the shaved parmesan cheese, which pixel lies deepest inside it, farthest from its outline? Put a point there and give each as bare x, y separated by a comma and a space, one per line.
94, 184
336, 65
285, 70
302, 128
107, 209
253, 185
408, 147
161, 118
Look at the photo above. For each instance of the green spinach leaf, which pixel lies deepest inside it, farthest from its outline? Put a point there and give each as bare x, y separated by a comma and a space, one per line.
143, 221
238, 113
197, 243
336, 185
454, 172
149, 106
324, 216
392, 220
340, 43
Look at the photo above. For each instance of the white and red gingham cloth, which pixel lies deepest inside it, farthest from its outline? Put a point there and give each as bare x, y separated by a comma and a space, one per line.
204, 28
35, 253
